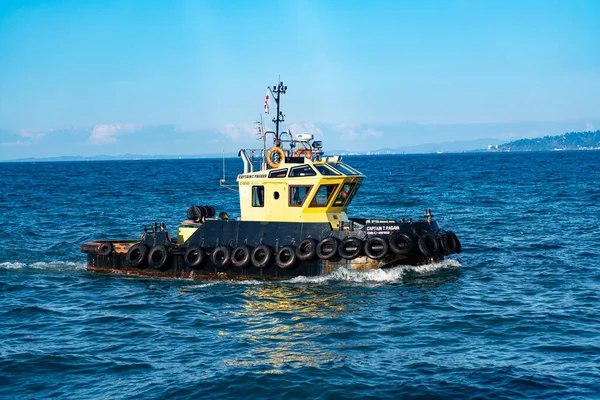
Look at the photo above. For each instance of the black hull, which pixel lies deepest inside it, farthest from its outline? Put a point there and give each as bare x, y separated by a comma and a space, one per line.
112, 256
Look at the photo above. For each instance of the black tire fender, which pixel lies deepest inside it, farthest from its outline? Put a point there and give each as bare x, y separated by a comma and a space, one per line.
401, 243
307, 249
241, 256
350, 248
221, 256
159, 257
105, 249
262, 256
286, 257
458, 246
194, 257
376, 247
136, 256
447, 243
429, 245
328, 248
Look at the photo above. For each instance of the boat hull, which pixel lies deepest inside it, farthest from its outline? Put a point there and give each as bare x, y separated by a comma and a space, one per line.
213, 234
116, 264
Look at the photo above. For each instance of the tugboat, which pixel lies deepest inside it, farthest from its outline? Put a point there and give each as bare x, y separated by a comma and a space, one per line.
293, 223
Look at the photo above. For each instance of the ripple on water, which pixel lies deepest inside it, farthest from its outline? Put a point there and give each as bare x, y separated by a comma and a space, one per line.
513, 316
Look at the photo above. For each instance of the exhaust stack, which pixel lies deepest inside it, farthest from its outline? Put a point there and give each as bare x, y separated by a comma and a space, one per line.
247, 164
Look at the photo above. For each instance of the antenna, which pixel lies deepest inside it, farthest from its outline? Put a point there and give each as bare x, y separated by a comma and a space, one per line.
261, 132
223, 180
277, 91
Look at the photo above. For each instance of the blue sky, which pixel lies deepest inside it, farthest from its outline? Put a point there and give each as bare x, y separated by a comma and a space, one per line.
189, 77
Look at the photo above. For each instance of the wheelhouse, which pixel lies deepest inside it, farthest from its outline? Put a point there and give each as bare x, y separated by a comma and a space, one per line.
299, 189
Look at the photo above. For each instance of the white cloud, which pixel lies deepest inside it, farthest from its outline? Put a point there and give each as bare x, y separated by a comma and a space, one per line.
350, 131
105, 134
237, 132
29, 134
372, 134
306, 127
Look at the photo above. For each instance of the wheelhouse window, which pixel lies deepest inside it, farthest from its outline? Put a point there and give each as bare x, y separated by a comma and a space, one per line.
325, 170
352, 194
345, 169
344, 194
298, 195
303, 170
258, 196
322, 196
278, 173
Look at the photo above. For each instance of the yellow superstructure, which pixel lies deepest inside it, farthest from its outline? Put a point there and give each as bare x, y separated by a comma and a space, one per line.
303, 190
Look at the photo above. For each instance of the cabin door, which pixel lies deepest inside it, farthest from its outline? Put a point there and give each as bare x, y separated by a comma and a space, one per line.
277, 201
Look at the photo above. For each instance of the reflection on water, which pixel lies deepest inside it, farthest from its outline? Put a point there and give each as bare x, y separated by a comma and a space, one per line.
287, 325
279, 327
312, 301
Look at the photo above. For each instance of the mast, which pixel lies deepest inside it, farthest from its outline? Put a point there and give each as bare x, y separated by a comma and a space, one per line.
277, 91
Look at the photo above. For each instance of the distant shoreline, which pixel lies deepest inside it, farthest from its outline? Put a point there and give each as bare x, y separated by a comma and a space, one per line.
232, 156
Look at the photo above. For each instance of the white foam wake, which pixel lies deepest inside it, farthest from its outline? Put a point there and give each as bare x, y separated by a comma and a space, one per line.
52, 265
15, 265
387, 275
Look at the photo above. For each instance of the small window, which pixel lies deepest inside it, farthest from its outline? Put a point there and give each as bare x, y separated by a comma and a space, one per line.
323, 195
303, 170
326, 171
345, 169
278, 173
344, 194
352, 194
298, 194
258, 196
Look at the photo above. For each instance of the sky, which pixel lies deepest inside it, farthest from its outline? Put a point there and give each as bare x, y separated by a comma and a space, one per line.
86, 78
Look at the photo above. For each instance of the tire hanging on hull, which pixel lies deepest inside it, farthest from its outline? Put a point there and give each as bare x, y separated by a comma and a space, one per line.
221, 256
328, 248
262, 256
136, 256
194, 257
376, 248
307, 249
401, 243
454, 238
105, 249
429, 245
286, 257
241, 257
159, 257
350, 248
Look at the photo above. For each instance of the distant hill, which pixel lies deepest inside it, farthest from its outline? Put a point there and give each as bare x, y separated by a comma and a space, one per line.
449, 147
444, 147
568, 141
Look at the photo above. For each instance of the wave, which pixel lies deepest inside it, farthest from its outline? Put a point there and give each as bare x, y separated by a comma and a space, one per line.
52, 265
15, 265
386, 275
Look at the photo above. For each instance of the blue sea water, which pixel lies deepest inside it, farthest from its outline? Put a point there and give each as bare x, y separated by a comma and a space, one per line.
516, 315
